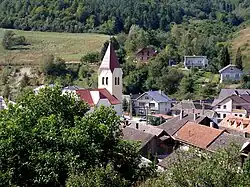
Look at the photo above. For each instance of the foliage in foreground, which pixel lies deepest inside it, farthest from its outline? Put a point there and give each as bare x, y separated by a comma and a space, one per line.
205, 169
45, 138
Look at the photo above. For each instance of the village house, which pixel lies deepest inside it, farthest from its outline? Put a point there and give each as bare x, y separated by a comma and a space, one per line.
224, 93
198, 107
195, 62
236, 125
145, 54
173, 125
230, 73
236, 105
152, 102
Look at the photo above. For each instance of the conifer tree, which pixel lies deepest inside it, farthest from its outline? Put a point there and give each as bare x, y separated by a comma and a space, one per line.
238, 59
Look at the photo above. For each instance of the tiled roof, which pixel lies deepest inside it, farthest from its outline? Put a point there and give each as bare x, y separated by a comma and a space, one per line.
136, 135
110, 61
149, 129
87, 96
236, 123
225, 140
197, 135
173, 125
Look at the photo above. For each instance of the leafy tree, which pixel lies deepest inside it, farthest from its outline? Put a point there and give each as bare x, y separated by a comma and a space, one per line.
187, 85
125, 105
8, 39
196, 168
238, 59
224, 57
90, 58
48, 136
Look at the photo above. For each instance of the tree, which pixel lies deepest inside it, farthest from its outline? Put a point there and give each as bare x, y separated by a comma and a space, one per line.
48, 136
224, 57
238, 59
187, 85
8, 39
125, 105
90, 58
198, 168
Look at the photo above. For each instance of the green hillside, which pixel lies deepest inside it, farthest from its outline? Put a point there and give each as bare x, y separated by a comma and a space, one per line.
69, 46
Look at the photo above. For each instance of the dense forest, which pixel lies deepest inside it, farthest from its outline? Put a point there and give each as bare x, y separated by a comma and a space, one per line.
113, 16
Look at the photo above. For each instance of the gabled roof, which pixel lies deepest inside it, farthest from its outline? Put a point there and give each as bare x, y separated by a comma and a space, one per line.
109, 61
136, 135
149, 129
173, 125
235, 69
89, 96
225, 140
228, 92
149, 47
72, 88
236, 123
157, 96
197, 135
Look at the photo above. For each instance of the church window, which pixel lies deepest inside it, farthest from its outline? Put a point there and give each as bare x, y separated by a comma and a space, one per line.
103, 81
115, 81
118, 80
107, 80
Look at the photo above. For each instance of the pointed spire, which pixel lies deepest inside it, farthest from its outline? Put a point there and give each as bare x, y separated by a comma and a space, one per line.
110, 61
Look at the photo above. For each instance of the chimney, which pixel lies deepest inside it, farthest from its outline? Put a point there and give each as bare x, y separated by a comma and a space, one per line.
203, 108
160, 92
181, 114
212, 124
194, 114
137, 125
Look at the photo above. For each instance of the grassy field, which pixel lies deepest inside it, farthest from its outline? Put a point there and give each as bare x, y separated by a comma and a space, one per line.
242, 40
69, 46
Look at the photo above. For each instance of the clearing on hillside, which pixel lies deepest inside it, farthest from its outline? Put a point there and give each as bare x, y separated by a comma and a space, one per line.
69, 46
242, 40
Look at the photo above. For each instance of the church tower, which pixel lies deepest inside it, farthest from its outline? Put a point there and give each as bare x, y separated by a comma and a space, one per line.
110, 73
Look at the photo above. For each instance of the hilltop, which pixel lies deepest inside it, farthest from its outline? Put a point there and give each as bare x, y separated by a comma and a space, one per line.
69, 46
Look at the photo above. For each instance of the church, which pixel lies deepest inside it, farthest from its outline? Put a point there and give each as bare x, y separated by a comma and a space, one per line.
109, 91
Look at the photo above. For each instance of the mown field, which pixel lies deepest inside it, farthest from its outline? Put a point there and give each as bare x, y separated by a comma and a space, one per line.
69, 46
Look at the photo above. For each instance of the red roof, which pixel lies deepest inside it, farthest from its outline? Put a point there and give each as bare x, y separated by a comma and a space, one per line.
86, 96
110, 61
198, 135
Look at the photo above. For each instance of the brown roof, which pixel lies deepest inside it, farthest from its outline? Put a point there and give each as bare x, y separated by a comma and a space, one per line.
110, 61
136, 135
197, 135
173, 125
149, 129
85, 96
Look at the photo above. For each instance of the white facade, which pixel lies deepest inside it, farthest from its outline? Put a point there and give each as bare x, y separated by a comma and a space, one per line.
147, 104
195, 61
230, 73
228, 107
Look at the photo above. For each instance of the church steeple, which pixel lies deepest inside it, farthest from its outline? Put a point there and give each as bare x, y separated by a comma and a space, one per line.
110, 61
110, 73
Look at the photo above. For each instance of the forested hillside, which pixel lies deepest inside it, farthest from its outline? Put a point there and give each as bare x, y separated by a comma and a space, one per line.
113, 16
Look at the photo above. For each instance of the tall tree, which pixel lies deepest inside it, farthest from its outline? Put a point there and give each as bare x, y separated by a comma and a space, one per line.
238, 59
224, 57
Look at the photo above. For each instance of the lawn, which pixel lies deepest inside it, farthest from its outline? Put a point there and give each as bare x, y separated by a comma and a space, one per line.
69, 46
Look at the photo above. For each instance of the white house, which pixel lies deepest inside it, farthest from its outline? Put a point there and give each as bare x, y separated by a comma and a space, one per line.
152, 102
236, 105
231, 73
195, 61
109, 92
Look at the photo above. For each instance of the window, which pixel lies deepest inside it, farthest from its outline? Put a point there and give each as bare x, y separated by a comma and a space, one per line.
235, 114
219, 106
103, 81
118, 80
115, 81
240, 115
146, 97
107, 79
224, 106
141, 104
218, 115
238, 107
151, 105
148, 53
224, 115
237, 75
